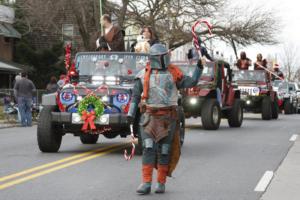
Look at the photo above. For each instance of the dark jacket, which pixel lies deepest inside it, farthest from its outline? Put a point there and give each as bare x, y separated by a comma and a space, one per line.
24, 88
52, 88
115, 39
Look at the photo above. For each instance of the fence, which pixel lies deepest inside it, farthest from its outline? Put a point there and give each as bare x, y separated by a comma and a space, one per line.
37, 96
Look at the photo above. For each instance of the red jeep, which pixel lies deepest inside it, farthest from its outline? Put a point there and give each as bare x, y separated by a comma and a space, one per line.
214, 97
257, 92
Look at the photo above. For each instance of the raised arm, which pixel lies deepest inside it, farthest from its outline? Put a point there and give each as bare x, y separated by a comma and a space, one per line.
187, 81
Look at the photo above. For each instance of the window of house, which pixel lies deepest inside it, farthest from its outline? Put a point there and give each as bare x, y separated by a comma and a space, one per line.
67, 31
6, 39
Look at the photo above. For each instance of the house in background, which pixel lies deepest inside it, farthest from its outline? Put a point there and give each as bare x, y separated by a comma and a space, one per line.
8, 38
66, 28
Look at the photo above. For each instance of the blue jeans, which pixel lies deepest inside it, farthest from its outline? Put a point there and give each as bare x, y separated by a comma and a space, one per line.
24, 105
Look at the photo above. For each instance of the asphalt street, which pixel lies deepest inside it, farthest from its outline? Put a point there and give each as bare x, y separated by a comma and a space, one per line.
215, 165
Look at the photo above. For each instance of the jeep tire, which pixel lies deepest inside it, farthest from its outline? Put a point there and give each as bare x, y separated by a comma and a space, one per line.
275, 108
288, 107
181, 124
211, 114
235, 114
49, 135
266, 110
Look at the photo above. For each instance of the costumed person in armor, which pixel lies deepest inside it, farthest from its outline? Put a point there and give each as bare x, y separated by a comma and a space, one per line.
243, 63
260, 61
113, 35
277, 72
156, 94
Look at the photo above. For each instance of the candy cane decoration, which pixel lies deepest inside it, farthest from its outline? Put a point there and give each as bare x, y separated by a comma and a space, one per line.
195, 37
126, 156
266, 69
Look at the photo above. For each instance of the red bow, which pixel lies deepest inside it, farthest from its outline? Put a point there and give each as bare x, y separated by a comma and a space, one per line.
88, 118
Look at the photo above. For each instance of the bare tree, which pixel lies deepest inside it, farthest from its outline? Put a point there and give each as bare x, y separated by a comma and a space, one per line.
172, 20
290, 62
44, 15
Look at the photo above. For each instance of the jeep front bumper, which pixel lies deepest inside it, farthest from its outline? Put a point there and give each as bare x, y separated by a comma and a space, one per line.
251, 102
192, 106
104, 120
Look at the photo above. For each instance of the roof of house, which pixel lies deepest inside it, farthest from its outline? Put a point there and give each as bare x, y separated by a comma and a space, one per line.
9, 67
8, 30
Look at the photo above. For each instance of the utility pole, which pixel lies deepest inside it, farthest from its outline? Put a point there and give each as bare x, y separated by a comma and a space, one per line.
101, 13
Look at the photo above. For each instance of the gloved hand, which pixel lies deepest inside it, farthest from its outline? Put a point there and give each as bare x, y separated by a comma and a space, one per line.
130, 119
199, 64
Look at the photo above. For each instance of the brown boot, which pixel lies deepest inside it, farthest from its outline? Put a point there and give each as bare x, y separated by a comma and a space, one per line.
145, 187
162, 172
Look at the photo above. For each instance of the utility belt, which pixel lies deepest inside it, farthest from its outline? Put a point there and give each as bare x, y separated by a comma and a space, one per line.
171, 111
157, 121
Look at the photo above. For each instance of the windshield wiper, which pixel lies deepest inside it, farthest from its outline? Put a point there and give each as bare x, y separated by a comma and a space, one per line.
84, 78
127, 79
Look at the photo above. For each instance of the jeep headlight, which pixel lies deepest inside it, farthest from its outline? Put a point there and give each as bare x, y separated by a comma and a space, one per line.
255, 91
104, 119
193, 101
76, 119
97, 80
105, 99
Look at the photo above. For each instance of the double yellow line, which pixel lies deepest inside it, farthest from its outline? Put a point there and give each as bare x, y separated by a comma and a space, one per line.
32, 173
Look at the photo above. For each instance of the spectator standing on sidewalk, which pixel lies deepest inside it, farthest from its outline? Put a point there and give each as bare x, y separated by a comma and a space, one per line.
23, 90
52, 86
17, 78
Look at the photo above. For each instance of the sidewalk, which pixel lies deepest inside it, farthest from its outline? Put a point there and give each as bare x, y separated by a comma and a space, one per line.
286, 182
5, 124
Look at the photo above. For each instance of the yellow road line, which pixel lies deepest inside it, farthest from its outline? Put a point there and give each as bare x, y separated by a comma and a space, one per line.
12, 176
47, 171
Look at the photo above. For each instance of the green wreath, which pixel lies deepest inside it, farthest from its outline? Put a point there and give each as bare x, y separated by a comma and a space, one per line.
93, 100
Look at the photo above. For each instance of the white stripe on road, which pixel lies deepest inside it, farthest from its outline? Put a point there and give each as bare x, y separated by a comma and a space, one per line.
293, 138
264, 181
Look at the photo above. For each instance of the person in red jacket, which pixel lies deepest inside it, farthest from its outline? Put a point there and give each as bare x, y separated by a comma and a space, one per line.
260, 62
243, 63
279, 73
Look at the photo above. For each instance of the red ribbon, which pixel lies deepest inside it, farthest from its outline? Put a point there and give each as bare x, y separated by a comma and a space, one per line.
88, 118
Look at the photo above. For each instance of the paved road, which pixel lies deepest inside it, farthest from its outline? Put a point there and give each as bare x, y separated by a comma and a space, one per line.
215, 165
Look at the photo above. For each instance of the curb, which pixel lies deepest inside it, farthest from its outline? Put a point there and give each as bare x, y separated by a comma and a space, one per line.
4, 126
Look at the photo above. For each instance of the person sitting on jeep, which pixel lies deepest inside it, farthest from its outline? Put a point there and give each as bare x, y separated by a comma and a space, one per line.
243, 63
193, 54
113, 35
145, 40
260, 62
279, 73
101, 45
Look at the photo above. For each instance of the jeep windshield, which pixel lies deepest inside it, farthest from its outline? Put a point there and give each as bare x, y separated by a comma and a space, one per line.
110, 63
283, 86
249, 76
